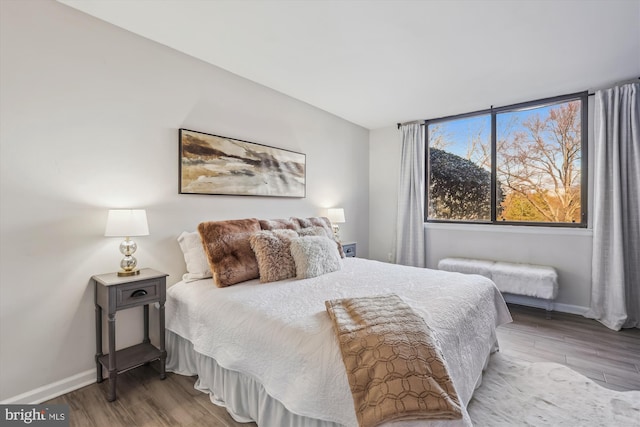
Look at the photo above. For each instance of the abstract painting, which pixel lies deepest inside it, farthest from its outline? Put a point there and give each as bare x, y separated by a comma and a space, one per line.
211, 164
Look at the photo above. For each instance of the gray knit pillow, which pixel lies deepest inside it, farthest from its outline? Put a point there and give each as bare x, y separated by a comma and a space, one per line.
314, 256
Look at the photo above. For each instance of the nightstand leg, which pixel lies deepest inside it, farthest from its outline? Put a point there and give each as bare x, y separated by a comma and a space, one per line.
113, 370
98, 343
163, 352
145, 316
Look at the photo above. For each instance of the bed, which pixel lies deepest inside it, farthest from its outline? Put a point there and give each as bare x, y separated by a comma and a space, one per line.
267, 351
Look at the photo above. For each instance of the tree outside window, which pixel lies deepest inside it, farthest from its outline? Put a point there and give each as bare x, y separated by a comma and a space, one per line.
524, 160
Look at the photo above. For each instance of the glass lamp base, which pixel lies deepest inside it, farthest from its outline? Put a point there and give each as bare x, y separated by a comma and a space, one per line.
129, 262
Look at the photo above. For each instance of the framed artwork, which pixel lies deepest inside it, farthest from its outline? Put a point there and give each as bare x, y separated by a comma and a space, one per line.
212, 164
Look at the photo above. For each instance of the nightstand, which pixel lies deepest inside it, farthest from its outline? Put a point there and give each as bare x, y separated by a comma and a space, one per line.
349, 249
113, 293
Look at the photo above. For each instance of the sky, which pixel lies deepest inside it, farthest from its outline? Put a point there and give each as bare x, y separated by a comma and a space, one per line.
459, 132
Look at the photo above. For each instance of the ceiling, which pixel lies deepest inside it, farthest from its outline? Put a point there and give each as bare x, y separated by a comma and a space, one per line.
378, 62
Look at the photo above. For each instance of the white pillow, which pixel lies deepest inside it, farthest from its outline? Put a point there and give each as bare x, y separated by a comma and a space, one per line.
314, 256
194, 256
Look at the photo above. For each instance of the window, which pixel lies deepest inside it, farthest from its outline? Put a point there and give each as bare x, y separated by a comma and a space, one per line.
522, 164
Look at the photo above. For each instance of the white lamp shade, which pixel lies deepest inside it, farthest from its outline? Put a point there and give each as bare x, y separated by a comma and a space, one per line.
126, 223
336, 215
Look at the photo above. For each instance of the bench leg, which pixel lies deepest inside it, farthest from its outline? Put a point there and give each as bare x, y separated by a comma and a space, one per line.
549, 308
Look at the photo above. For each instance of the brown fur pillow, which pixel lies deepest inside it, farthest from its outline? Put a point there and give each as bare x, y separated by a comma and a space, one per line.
315, 220
272, 249
228, 250
315, 231
279, 224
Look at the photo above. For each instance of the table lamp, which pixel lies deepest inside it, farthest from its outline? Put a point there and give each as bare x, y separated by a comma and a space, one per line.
127, 223
336, 216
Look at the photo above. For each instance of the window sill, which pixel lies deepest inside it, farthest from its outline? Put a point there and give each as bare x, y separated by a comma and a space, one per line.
516, 229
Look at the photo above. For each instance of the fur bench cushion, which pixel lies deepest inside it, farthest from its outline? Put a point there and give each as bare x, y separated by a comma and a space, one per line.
226, 244
526, 279
467, 266
538, 281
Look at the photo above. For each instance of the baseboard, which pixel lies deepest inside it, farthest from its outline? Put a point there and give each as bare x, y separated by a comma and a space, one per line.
540, 303
50, 391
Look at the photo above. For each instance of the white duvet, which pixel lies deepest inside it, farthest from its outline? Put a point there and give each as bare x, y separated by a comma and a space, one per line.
280, 334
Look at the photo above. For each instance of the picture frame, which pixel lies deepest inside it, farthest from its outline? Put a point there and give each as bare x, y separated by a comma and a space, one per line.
219, 165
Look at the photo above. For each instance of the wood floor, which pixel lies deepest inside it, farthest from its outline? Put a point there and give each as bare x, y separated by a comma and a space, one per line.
610, 358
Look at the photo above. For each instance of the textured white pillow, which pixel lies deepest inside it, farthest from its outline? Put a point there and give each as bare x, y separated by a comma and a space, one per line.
316, 230
314, 256
194, 256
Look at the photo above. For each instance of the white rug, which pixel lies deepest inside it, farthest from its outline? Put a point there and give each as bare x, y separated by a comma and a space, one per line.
515, 393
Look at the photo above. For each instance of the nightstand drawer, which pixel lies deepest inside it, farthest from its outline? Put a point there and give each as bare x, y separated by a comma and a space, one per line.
137, 293
349, 250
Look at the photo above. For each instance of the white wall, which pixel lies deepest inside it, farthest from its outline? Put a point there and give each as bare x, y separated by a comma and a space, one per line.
89, 121
569, 250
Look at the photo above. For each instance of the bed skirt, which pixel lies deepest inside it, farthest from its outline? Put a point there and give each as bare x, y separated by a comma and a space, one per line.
244, 398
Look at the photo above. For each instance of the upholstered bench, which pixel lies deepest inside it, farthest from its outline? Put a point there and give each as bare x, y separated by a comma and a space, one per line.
537, 281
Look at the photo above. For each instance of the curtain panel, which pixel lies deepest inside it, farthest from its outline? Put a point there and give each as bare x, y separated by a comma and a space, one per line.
410, 248
615, 287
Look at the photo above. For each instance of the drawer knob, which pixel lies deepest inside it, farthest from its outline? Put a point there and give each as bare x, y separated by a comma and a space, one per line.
139, 293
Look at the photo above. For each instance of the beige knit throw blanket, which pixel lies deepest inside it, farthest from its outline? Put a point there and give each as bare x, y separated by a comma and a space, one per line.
395, 368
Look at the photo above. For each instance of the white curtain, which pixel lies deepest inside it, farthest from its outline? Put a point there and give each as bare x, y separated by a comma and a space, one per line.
615, 287
410, 229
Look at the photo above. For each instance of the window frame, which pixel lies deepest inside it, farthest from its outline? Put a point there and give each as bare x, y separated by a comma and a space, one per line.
493, 112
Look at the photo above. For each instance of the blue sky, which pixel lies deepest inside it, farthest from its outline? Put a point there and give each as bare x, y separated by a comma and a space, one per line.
460, 132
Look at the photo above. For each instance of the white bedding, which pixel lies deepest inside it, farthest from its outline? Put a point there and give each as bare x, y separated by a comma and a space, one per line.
280, 334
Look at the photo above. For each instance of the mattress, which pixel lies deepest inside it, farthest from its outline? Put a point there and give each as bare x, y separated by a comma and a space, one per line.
278, 336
